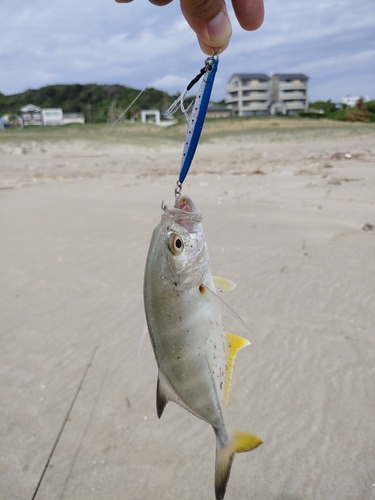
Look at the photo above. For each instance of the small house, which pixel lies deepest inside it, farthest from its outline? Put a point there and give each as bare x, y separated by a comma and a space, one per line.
52, 116
32, 115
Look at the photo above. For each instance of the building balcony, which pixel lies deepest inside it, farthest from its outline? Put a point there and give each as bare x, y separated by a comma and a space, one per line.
294, 95
247, 100
255, 96
233, 107
250, 86
231, 99
257, 86
292, 86
232, 88
295, 105
255, 106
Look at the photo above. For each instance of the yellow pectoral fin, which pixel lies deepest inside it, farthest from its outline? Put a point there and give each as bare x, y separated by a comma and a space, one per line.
223, 285
235, 343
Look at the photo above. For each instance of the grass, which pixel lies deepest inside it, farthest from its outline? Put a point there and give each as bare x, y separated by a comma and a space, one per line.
152, 135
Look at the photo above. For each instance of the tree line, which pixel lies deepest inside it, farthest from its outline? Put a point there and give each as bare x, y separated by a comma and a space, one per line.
102, 103
99, 103
361, 112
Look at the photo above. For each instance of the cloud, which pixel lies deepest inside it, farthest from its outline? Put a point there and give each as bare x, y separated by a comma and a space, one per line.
138, 44
331, 42
171, 83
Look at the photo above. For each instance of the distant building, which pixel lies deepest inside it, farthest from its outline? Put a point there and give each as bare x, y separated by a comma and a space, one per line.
352, 101
33, 115
289, 94
249, 94
154, 113
52, 116
218, 112
153, 116
73, 118
257, 94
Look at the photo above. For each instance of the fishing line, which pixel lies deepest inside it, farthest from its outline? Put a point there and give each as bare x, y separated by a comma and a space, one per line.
65, 421
145, 88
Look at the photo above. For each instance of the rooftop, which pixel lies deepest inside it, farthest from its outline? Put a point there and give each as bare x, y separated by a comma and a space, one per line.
290, 76
251, 76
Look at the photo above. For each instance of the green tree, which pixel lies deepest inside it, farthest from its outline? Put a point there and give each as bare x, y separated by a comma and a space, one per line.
359, 113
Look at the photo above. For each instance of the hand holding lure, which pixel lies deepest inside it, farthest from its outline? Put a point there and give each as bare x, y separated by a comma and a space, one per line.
197, 116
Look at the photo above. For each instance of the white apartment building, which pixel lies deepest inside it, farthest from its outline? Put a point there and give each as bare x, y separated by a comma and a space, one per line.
257, 94
289, 94
249, 94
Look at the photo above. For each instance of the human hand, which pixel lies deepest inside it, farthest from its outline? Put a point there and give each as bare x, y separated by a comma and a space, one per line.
210, 21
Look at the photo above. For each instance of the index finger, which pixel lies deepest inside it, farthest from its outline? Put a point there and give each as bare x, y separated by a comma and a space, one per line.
250, 13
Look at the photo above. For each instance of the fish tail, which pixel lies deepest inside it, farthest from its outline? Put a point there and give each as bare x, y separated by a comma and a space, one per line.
239, 442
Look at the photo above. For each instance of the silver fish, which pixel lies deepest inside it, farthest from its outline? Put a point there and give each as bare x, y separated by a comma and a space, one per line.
193, 352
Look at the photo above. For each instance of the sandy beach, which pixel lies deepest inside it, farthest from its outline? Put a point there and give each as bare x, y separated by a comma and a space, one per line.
289, 216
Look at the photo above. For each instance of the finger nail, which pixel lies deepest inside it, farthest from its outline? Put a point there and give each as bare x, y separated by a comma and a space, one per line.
219, 28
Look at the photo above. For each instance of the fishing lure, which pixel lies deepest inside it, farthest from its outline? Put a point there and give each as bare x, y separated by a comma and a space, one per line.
197, 117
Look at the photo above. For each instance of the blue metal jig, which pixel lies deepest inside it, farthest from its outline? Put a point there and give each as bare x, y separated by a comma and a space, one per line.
197, 116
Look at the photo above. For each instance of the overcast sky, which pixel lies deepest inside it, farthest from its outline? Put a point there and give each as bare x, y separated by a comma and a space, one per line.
46, 42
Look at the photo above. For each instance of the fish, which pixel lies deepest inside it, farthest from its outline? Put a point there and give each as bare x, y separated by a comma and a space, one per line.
184, 314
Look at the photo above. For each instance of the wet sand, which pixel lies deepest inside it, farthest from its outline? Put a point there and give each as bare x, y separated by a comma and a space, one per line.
285, 218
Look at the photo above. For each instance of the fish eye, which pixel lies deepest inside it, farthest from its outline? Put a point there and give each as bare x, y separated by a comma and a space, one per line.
176, 244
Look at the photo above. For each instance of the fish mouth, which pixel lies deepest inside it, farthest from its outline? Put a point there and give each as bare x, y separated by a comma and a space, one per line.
185, 204
186, 214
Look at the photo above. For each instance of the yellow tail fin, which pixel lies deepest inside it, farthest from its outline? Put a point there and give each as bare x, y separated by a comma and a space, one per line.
239, 443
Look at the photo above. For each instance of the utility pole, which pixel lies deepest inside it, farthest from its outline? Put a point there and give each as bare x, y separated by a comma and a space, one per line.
89, 112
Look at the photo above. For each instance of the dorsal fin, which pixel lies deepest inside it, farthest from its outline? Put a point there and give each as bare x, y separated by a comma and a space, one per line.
235, 343
223, 285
